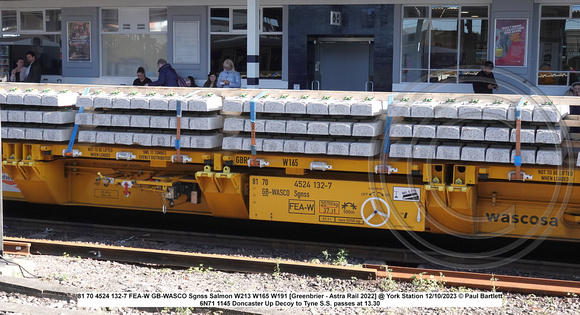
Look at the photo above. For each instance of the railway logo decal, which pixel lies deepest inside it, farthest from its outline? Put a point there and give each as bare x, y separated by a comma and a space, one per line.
406, 193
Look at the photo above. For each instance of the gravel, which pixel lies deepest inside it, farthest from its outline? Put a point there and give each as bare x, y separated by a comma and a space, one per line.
86, 275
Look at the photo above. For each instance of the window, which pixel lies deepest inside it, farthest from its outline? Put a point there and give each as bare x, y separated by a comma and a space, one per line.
559, 55
443, 44
229, 40
131, 38
36, 30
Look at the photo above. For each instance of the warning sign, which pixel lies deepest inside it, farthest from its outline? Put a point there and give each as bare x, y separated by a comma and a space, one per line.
406, 193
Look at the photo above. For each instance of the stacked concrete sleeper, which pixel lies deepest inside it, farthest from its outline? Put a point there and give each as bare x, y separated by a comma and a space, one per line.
31, 114
477, 131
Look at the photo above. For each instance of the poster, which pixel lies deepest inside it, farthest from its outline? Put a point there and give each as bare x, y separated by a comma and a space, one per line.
79, 41
511, 42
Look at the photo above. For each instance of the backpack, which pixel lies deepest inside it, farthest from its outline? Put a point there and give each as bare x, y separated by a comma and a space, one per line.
181, 81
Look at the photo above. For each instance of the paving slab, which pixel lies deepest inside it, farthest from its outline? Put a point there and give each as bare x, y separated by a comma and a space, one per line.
4, 115
184, 123
206, 141
277, 106
16, 98
122, 102
234, 104
234, 124
550, 113
526, 113
318, 107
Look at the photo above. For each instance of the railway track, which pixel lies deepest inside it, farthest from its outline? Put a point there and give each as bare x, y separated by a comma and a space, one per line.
247, 264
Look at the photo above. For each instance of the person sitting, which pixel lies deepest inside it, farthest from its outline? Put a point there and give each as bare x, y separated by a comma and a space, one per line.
167, 75
190, 82
211, 80
229, 78
484, 81
141, 78
574, 90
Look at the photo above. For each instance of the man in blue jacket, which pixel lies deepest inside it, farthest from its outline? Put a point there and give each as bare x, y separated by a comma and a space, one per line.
167, 75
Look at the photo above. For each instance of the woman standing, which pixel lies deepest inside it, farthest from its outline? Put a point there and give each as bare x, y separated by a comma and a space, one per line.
19, 73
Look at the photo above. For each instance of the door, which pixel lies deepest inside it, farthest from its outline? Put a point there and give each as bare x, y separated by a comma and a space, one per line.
344, 64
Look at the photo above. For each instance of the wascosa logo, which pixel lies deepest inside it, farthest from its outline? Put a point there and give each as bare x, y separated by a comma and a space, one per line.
524, 219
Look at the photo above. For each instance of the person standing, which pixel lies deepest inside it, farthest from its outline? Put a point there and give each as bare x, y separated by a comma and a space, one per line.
229, 77
167, 75
19, 73
141, 78
211, 80
34, 71
484, 81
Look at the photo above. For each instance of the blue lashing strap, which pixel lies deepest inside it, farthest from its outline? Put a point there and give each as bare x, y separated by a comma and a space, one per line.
388, 122
518, 158
253, 118
178, 124
73, 136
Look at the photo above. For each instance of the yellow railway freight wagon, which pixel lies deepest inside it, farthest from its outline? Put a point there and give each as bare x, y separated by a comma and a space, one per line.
458, 164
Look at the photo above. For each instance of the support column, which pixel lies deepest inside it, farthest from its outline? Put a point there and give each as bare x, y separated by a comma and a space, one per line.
253, 74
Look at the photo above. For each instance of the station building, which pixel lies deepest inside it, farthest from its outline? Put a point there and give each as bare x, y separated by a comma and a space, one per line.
308, 44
